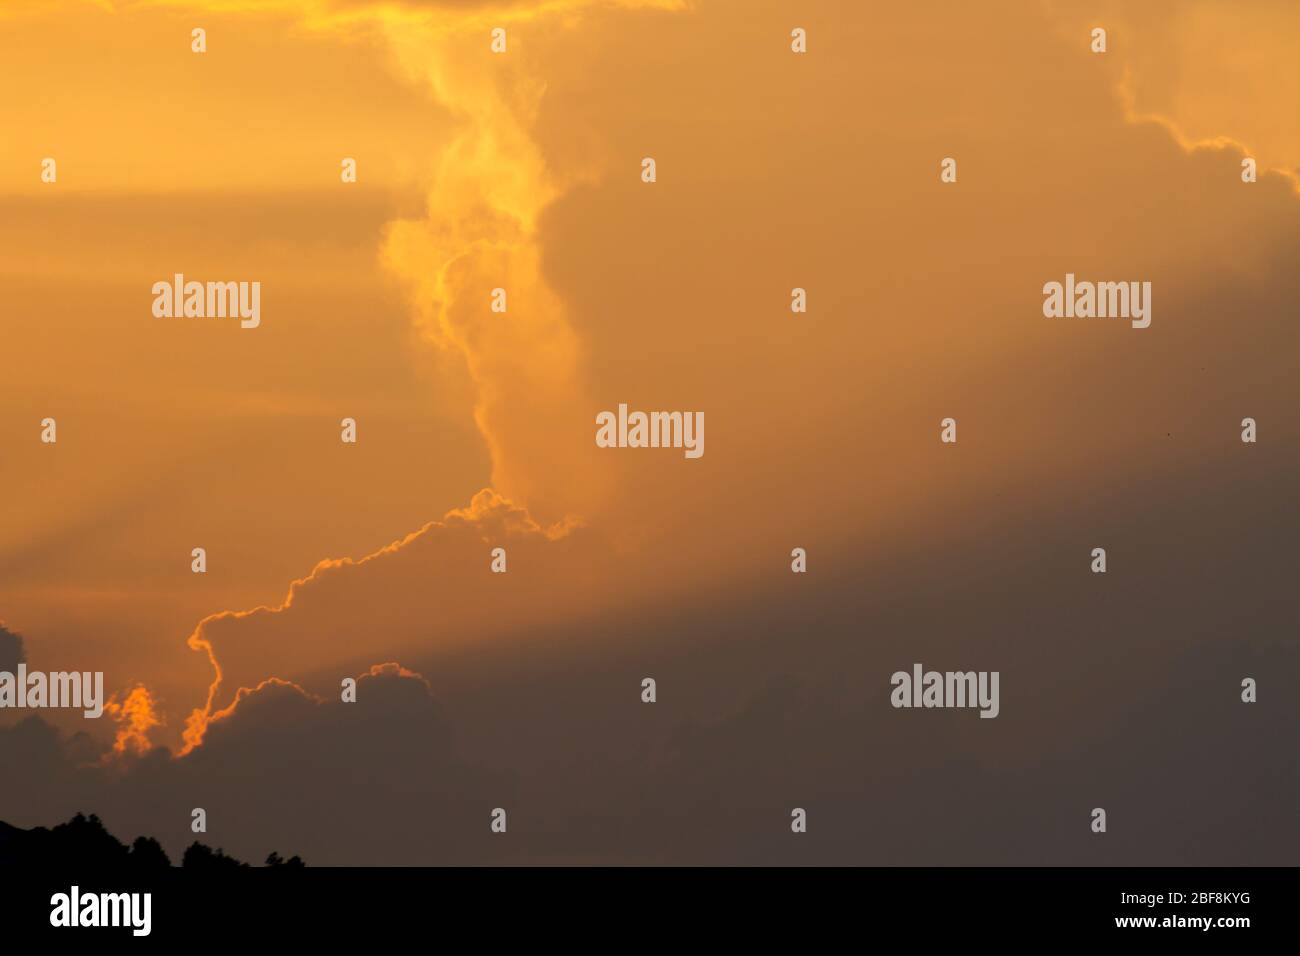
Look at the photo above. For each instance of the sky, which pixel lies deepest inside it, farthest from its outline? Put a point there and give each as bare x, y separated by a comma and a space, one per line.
775, 170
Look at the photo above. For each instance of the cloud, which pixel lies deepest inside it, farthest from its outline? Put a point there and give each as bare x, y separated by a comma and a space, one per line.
433, 588
137, 715
11, 650
1211, 69
491, 184
278, 761
766, 703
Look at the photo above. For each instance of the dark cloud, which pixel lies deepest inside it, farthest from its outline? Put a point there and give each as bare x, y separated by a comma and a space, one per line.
1122, 692
351, 780
11, 649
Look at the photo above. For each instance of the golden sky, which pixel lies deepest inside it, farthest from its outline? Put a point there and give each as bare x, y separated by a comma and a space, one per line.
522, 170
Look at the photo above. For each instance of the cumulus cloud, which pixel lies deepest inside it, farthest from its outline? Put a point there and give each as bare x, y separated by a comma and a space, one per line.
279, 761
765, 703
432, 589
1212, 70
11, 650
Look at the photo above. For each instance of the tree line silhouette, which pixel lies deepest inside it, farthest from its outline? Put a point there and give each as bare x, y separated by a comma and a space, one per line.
84, 841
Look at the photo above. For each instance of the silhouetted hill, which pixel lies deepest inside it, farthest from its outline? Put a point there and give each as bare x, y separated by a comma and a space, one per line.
84, 841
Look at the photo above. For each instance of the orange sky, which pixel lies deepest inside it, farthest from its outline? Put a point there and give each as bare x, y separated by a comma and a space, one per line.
522, 170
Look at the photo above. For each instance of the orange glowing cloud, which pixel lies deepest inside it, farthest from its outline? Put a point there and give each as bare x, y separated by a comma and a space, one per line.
136, 715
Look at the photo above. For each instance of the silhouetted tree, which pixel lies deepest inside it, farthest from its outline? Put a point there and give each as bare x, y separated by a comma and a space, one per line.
200, 856
146, 852
83, 841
